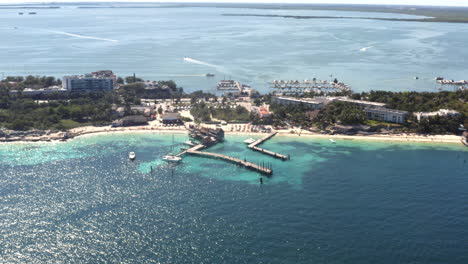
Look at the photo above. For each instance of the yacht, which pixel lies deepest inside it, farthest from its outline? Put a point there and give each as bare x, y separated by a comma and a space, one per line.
132, 156
172, 158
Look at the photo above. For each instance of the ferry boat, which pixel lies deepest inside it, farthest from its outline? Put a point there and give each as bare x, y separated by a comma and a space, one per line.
132, 156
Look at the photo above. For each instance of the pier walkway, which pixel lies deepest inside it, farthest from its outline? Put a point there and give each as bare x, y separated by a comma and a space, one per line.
195, 148
248, 165
253, 146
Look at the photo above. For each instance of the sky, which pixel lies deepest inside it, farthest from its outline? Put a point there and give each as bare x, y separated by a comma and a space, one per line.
387, 2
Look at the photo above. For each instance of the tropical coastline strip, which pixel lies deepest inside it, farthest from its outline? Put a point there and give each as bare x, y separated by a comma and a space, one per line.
107, 130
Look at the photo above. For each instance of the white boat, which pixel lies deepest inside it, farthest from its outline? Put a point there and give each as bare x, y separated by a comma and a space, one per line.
332, 140
132, 155
249, 141
190, 143
172, 158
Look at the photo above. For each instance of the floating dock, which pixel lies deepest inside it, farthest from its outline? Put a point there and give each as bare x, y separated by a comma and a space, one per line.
253, 146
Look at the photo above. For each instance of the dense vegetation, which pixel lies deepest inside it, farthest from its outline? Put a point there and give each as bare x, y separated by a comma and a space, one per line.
301, 115
25, 113
67, 110
20, 82
204, 113
419, 102
348, 114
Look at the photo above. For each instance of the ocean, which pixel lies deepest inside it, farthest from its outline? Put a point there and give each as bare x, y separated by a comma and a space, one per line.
83, 201
152, 42
350, 202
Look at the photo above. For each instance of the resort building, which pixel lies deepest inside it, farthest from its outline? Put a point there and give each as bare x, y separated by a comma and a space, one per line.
358, 102
95, 81
385, 114
207, 136
262, 112
441, 112
136, 120
171, 118
32, 92
313, 103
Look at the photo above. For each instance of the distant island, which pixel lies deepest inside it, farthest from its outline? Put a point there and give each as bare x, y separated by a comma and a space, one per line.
430, 19
446, 14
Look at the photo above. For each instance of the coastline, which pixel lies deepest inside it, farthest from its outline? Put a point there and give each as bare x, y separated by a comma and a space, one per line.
90, 131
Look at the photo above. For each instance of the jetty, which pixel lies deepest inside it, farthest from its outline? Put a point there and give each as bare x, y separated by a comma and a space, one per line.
253, 146
243, 163
194, 148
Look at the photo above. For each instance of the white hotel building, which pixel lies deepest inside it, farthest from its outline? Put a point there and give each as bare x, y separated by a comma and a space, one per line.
95, 81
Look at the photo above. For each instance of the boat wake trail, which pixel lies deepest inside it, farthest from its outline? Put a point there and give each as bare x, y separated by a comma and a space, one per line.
365, 49
82, 36
201, 63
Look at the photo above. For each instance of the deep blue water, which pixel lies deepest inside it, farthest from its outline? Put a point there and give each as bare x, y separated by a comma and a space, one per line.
349, 202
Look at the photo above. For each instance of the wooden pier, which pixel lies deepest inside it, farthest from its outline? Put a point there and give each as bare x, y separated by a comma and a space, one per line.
249, 165
245, 164
195, 148
253, 146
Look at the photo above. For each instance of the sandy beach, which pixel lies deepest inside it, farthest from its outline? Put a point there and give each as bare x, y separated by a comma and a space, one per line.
232, 130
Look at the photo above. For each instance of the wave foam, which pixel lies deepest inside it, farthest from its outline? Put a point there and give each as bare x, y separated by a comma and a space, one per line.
83, 37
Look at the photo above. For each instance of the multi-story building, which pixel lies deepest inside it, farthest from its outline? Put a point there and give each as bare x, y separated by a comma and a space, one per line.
313, 103
361, 103
385, 114
95, 81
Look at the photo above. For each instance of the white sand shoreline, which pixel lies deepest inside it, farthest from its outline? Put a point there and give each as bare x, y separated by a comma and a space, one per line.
90, 131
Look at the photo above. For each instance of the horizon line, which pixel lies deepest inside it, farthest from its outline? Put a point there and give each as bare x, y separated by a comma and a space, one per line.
247, 2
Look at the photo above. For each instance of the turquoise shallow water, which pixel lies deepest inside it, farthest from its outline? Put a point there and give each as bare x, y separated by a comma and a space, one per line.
349, 202
152, 43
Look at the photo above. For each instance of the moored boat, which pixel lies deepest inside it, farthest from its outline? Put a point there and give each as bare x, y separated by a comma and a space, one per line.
132, 156
249, 141
172, 158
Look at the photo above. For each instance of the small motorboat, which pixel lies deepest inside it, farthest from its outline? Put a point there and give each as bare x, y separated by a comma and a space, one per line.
332, 140
210, 75
172, 158
249, 141
132, 156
